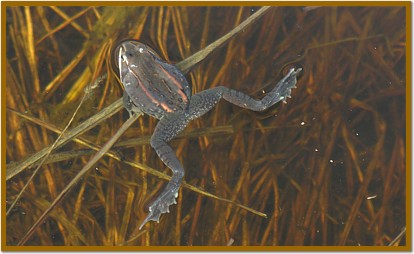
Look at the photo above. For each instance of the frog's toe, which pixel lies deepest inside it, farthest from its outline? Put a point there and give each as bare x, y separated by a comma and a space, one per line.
152, 216
159, 207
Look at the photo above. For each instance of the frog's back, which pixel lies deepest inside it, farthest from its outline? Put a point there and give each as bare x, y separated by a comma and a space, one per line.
163, 89
154, 86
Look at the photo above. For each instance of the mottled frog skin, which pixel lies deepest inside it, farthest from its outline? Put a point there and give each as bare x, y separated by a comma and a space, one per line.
159, 89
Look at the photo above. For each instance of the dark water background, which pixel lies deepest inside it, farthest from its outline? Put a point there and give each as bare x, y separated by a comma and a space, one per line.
328, 167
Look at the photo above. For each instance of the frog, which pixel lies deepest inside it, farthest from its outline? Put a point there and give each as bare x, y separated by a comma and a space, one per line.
159, 89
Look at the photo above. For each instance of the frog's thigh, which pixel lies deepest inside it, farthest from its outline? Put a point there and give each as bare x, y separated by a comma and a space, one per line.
204, 101
169, 126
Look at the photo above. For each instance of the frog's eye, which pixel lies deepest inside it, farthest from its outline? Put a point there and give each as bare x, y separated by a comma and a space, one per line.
140, 49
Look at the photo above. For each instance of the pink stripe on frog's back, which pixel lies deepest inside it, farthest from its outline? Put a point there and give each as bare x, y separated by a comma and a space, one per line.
179, 85
149, 94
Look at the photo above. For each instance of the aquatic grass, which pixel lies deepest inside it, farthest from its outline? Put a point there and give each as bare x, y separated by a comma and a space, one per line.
328, 168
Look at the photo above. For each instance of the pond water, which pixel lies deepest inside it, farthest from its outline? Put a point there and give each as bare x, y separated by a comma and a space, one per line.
327, 168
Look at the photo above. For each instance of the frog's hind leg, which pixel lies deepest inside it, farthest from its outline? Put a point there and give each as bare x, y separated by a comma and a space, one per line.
280, 92
167, 128
202, 102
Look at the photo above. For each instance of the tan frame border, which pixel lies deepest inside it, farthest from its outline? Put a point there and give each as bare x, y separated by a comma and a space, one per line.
408, 247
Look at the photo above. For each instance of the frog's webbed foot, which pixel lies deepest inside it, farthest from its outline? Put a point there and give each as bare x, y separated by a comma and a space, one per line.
162, 203
166, 129
283, 88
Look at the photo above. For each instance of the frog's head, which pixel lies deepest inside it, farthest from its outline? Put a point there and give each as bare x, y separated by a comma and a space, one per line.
133, 55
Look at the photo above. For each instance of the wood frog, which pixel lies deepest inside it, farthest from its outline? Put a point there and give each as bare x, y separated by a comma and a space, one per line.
159, 89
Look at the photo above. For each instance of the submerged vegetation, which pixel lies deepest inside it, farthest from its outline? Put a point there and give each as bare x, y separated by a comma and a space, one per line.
327, 168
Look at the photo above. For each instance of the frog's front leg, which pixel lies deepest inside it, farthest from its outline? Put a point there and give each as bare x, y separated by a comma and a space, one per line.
167, 128
129, 105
